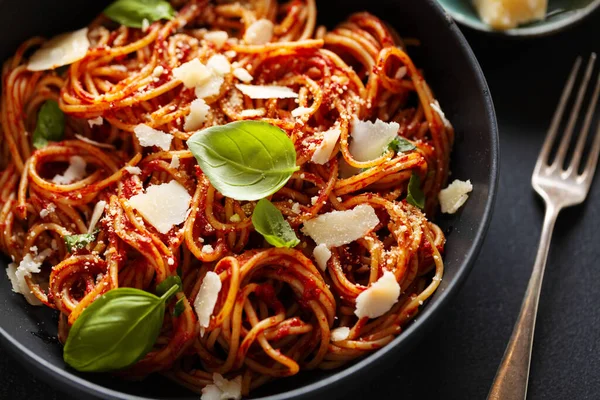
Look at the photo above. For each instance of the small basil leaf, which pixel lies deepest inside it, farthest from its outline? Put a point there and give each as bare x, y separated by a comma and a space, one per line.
269, 222
132, 13
115, 331
168, 283
179, 308
75, 242
415, 195
401, 145
245, 160
50, 124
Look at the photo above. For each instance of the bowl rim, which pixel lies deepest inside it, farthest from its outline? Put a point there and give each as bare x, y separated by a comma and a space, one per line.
545, 29
64, 378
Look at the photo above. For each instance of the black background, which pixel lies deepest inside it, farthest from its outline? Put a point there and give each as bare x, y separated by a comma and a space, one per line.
458, 359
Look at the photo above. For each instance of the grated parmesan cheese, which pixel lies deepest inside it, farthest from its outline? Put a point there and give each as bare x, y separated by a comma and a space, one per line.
337, 228
339, 334
149, 137
266, 91
158, 71
370, 140
174, 162
95, 121
260, 32
61, 50
243, 75
326, 147
197, 116
96, 215
219, 64
50, 208
192, 73
218, 38
300, 111
205, 301
17, 274
454, 196
152, 205
235, 218
253, 113
207, 248
223, 389
296, 208
322, 255
378, 298
75, 171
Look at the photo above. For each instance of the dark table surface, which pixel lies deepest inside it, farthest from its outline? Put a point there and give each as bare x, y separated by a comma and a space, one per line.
458, 359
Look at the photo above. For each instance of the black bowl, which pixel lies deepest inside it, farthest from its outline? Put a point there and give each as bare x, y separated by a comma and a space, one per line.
455, 77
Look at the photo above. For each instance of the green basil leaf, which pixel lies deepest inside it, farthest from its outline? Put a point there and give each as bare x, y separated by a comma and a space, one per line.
115, 331
269, 222
132, 13
50, 124
245, 160
168, 283
415, 195
401, 145
75, 242
179, 308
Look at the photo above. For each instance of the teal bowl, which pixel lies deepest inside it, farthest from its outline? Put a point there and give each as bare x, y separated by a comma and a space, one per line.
561, 14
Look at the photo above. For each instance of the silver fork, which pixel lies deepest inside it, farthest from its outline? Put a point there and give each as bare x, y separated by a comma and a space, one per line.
560, 188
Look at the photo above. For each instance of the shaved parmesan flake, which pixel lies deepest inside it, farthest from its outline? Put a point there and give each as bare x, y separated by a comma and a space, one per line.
198, 112
266, 91
133, 170
164, 205
323, 152
207, 248
192, 73
243, 75
149, 137
322, 255
93, 142
174, 162
336, 228
158, 71
205, 301
253, 113
95, 121
378, 298
339, 334
17, 275
223, 389
211, 87
454, 196
436, 107
75, 172
96, 215
50, 208
370, 140
220, 64
260, 32
300, 111
61, 50
218, 38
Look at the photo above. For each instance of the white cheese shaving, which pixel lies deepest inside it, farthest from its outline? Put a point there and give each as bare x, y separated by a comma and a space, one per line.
339, 334
253, 113
322, 255
454, 196
296, 208
17, 275
93, 142
145, 24
323, 152
218, 38
243, 75
266, 91
211, 87
378, 298
336, 228
300, 111
436, 107
158, 71
149, 137
95, 121
235, 218
133, 170
192, 73
205, 301
223, 389
197, 116
207, 248
50, 208
174, 162
370, 140
61, 50
219, 64
164, 205
96, 215
260, 32
75, 171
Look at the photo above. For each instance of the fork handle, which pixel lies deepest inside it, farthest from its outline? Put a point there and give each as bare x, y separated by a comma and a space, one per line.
512, 376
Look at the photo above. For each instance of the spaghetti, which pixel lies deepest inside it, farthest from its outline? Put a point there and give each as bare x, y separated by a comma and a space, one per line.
276, 309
